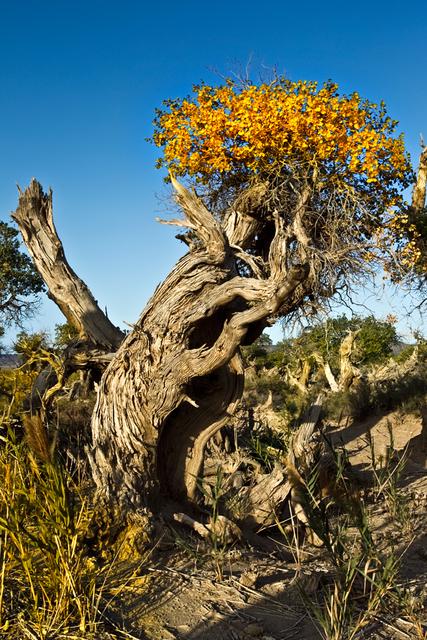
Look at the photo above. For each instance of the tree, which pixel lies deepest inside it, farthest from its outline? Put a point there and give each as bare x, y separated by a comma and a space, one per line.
65, 334
19, 281
296, 183
375, 340
338, 347
26, 344
258, 352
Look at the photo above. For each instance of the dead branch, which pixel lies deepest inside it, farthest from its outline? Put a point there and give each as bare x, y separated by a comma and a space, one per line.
419, 192
34, 217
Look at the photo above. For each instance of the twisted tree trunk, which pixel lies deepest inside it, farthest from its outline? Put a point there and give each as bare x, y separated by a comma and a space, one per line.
178, 376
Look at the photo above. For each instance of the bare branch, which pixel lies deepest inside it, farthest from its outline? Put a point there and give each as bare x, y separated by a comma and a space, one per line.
200, 220
202, 361
176, 223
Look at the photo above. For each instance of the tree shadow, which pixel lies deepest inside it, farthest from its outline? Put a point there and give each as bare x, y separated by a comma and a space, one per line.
233, 612
346, 434
352, 438
417, 446
264, 619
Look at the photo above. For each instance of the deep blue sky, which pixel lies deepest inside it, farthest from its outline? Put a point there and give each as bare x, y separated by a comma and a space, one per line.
80, 81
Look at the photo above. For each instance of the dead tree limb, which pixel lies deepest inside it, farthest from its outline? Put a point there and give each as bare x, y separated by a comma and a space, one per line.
34, 217
419, 192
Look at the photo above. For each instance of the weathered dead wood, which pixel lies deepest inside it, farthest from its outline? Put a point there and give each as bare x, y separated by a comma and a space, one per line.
178, 377
301, 448
302, 457
348, 372
330, 377
265, 414
333, 384
225, 531
419, 192
188, 521
34, 217
300, 376
219, 529
260, 504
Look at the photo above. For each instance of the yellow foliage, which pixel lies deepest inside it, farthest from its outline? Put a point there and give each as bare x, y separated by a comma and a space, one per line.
229, 137
259, 130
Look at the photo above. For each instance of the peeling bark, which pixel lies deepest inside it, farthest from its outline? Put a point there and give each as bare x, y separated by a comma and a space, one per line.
178, 377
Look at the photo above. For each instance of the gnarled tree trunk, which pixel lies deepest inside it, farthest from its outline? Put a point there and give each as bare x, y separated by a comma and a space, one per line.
178, 376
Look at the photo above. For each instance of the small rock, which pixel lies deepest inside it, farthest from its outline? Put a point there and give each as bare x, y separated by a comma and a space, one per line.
248, 579
225, 531
254, 630
276, 589
183, 628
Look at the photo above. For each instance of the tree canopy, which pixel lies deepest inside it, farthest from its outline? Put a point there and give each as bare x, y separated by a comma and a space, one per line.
19, 281
275, 141
231, 135
374, 343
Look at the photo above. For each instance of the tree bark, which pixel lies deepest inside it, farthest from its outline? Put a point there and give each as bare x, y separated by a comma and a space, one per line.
419, 192
348, 372
178, 376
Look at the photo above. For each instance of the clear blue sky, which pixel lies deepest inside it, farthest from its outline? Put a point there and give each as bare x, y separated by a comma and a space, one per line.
80, 81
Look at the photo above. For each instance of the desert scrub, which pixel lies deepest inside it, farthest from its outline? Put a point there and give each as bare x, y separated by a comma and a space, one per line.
387, 470
14, 387
363, 586
46, 576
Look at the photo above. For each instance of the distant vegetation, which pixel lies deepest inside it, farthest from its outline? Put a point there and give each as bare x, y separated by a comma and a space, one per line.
294, 369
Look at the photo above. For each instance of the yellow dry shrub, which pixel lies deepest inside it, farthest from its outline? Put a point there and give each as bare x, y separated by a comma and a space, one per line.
15, 386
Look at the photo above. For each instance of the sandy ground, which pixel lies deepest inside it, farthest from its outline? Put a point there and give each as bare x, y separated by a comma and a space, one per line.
258, 595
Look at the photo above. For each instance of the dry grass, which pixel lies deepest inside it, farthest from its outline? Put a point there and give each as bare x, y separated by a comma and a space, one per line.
363, 589
52, 585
